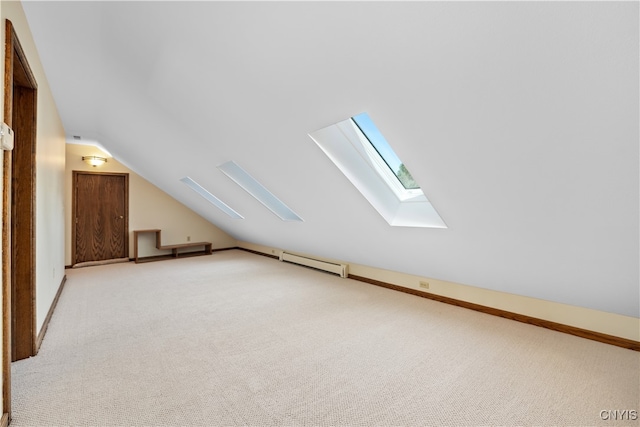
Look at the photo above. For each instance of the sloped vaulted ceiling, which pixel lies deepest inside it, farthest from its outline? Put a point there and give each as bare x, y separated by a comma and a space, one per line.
519, 120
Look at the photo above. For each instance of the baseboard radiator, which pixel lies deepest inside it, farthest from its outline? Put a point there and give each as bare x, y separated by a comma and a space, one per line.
330, 267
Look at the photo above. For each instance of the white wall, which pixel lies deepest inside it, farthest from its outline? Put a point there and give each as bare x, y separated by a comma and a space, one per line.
519, 120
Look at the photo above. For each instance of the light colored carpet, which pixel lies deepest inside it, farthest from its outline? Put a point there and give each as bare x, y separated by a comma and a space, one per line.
239, 339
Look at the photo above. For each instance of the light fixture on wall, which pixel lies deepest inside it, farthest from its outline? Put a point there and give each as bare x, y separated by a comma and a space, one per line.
94, 160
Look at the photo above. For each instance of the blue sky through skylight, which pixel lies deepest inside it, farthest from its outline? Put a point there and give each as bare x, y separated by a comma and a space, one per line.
371, 132
381, 145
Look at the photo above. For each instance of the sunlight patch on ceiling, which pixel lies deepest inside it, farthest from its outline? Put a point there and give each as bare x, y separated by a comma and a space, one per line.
258, 191
210, 198
362, 154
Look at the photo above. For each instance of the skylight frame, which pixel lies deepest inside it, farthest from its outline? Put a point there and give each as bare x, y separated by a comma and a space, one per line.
248, 183
352, 153
200, 190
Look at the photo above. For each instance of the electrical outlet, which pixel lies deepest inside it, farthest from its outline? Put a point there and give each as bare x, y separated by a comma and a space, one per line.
424, 285
188, 238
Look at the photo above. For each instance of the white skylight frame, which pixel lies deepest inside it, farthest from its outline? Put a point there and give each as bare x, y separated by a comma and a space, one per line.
258, 191
210, 197
350, 150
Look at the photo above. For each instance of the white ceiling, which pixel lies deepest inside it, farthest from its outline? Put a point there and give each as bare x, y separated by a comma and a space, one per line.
519, 120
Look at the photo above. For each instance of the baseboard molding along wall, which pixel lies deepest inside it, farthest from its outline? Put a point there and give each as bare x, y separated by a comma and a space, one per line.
47, 319
611, 328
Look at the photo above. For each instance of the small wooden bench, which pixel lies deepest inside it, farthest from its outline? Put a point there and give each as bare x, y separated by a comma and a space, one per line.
175, 249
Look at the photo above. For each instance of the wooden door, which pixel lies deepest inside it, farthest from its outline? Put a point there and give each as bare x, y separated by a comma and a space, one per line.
23, 229
101, 216
18, 219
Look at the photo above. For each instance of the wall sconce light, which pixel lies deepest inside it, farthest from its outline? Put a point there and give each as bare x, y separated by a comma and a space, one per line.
94, 160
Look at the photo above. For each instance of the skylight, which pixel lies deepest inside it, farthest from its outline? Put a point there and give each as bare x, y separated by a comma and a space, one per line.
210, 197
386, 153
257, 190
362, 154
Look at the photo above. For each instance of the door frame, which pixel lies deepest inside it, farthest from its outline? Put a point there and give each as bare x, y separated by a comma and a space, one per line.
18, 73
74, 209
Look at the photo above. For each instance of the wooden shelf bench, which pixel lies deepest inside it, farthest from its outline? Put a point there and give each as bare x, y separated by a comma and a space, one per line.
175, 249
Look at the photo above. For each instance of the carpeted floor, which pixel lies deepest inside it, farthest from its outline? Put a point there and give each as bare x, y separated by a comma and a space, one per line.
239, 339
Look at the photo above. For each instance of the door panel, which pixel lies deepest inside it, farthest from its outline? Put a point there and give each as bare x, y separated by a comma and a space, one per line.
23, 202
101, 216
